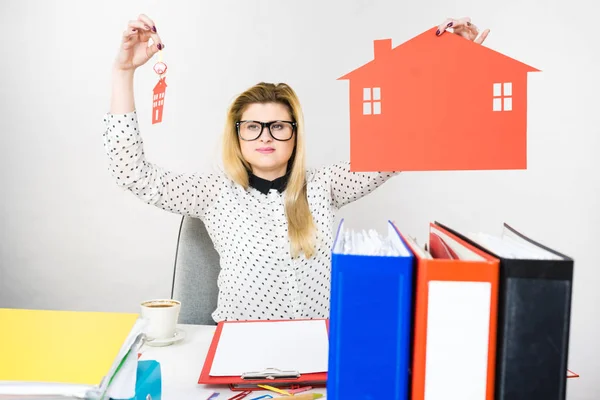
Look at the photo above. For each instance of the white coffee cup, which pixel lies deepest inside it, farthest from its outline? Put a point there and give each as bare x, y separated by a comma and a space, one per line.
161, 316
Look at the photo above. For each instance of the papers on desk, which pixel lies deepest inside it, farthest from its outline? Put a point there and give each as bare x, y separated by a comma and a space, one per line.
39, 390
301, 346
245, 354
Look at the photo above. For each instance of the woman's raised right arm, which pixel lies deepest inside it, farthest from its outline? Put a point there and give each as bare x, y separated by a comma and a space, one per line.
133, 53
188, 194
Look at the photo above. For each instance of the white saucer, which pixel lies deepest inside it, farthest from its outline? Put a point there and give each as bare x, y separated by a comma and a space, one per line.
178, 336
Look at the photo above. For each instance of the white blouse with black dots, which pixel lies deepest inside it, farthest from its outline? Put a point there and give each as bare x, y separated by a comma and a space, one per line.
258, 279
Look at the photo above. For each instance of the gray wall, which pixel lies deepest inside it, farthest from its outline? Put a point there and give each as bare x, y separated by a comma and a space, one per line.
70, 239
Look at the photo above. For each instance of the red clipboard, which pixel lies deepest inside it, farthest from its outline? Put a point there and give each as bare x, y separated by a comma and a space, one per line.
237, 383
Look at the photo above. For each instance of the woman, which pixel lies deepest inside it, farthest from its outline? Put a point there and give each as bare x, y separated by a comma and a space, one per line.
270, 219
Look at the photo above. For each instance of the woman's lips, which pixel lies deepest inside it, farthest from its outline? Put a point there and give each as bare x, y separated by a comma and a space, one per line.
265, 150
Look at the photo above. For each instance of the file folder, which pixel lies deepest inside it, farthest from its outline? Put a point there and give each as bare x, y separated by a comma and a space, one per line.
42, 352
534, 315
454, 342
60, 346
370, 318
284, 376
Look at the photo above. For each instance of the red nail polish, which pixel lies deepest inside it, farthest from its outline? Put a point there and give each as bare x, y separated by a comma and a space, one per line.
154, 29
449, 25
438, 32
159, 46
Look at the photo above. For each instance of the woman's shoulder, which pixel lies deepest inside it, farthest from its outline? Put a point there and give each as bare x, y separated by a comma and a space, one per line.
325, 171
328, 169
219, 176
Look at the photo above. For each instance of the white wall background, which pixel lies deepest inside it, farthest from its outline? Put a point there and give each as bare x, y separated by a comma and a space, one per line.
70, 239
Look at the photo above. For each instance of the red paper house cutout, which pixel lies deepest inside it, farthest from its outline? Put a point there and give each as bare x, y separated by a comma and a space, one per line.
438, 103
158, 100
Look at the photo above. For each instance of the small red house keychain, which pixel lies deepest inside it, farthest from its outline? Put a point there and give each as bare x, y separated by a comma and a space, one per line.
158, 99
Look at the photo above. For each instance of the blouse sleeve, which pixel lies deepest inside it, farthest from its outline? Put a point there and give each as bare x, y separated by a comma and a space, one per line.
348, 186
188, 194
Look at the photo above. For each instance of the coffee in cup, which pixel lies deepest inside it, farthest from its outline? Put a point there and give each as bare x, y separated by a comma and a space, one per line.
162, 316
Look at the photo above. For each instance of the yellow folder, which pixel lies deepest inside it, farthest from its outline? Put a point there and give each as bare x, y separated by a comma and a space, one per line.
60, 346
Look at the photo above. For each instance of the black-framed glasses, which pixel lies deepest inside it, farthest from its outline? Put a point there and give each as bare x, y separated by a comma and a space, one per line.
279, 130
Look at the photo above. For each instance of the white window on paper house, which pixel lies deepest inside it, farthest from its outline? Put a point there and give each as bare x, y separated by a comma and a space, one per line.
502, 96
371, 101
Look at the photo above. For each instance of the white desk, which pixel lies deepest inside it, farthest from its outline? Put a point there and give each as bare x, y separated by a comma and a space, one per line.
182, 362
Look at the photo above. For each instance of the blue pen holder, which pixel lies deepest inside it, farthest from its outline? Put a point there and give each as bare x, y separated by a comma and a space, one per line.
148, 381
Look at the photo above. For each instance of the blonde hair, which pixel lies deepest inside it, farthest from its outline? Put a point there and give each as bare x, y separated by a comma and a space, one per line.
301, 226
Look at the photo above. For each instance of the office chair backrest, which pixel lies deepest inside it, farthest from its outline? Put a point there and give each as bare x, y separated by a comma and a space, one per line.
195, 273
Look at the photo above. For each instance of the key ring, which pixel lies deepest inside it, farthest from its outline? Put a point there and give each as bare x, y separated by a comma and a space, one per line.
158, 95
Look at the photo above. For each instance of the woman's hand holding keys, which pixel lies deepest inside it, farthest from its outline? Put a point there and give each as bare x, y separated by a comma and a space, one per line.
134, 50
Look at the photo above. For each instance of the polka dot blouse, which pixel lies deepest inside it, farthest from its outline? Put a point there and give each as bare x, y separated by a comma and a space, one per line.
258, 279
